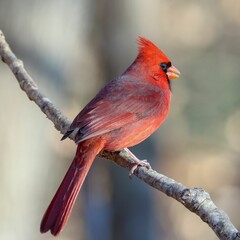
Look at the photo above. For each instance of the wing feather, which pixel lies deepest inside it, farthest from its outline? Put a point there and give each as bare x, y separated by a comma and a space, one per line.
120, 103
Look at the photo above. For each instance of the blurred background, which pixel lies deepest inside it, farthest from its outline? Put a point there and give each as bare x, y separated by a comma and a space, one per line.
71, 49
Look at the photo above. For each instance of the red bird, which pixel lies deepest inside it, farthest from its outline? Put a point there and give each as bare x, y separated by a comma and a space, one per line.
124, 113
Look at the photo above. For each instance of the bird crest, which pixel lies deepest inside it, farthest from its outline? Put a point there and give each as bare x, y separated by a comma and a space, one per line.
147, 49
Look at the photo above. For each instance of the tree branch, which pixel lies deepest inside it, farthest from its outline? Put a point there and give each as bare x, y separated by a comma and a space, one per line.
194, 199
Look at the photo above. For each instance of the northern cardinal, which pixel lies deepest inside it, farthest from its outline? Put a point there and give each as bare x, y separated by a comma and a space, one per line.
124, 113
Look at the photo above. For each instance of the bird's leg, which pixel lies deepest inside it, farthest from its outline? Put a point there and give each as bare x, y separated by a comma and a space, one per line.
137, 162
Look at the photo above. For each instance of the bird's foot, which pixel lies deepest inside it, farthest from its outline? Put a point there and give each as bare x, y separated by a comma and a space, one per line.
136, 162
139, 163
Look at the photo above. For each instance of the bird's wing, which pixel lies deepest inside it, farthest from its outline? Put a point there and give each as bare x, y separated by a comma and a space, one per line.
115, 106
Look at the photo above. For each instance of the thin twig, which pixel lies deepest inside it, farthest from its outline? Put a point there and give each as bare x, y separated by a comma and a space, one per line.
194, 199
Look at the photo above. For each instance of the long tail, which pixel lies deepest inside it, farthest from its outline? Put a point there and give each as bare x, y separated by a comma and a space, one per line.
61, 205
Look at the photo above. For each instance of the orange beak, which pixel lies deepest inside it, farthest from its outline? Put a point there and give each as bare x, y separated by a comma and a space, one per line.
173, 72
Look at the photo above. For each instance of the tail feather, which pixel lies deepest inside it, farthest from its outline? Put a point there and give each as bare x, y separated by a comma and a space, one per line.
61, 205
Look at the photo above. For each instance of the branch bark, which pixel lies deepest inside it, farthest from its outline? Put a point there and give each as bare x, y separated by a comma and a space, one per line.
194, 199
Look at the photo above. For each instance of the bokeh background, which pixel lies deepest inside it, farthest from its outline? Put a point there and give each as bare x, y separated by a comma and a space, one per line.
71, 49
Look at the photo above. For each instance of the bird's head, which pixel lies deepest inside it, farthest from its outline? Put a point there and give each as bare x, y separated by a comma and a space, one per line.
154, 62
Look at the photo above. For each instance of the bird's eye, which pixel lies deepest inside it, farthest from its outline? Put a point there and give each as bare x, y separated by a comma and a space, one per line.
165, 66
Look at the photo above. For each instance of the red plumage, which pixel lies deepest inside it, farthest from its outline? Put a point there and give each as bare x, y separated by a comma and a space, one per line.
124, 113
61, 205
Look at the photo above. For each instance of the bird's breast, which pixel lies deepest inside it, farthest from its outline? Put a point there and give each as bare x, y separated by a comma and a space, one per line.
147, 122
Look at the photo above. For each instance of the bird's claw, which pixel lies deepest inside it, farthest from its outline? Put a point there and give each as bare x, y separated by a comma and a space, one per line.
139, 163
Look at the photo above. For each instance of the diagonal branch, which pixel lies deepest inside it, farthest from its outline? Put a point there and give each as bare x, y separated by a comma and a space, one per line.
194, 199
